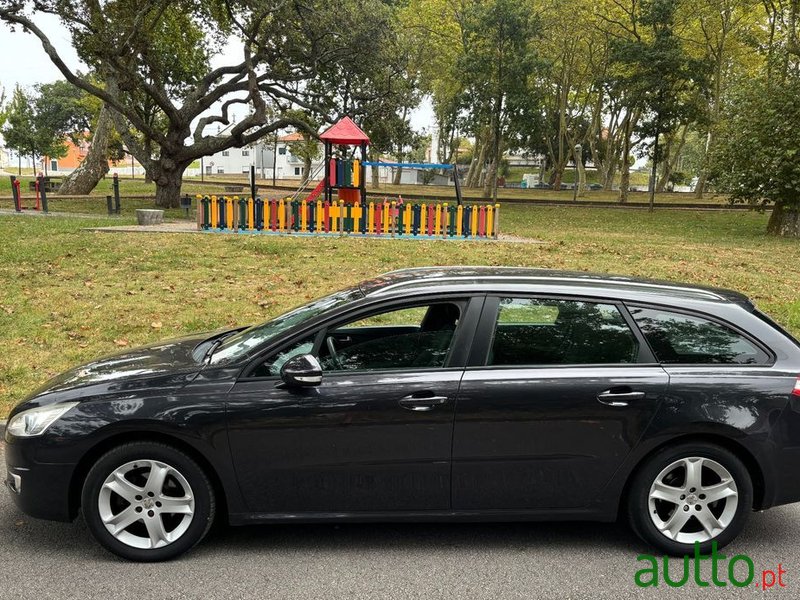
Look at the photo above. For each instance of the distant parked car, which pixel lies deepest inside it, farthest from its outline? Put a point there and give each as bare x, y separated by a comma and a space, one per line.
542, 186
594, 187
430, 394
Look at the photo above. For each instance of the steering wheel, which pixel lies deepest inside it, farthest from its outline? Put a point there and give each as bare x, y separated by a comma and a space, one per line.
331, 343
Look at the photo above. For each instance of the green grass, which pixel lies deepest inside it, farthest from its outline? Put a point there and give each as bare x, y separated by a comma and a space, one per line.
68, 295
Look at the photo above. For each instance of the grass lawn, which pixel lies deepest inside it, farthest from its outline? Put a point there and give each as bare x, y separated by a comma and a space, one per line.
67, 296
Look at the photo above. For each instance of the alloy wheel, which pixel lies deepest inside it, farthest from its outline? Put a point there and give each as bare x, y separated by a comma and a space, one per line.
146, 504
693, 499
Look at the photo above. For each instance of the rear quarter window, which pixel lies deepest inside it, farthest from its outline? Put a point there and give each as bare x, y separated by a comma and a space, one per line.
678, 338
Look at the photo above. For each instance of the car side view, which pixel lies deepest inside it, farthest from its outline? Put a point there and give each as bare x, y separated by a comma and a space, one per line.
443, 393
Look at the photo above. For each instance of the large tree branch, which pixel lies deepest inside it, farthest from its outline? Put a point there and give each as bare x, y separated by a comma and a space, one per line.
11, 15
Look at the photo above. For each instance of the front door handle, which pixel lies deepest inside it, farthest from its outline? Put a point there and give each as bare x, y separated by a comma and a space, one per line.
421, 402
619, 397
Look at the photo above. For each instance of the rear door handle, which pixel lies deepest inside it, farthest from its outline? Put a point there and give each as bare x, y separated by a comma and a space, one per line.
420, 402
619, 398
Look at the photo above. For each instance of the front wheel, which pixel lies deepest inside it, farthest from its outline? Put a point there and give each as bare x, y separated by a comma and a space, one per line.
146, 501
691, 493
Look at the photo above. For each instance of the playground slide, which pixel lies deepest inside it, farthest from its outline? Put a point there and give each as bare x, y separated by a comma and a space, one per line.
316, 191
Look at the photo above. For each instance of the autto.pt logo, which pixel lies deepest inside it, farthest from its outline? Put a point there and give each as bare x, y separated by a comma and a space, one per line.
738, 571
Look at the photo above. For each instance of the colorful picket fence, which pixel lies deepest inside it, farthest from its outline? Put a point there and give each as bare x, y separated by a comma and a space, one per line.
387, 218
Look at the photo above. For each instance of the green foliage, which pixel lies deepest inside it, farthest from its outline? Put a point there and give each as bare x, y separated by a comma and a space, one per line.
757, 156
656, 72
26, 131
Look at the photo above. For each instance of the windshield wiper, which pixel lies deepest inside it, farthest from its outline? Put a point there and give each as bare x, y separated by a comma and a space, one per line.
212, 348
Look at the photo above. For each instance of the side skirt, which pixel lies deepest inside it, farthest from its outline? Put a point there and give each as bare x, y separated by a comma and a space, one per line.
497, 516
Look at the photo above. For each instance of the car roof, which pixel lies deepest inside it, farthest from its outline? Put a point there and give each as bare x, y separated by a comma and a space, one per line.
506, 279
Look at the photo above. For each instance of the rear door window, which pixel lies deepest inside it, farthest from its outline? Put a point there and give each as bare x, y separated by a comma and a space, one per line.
541, 331
678, 338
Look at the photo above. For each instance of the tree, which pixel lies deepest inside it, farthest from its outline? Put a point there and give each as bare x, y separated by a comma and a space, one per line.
497, 62
153, 61
662, 79
29, 132
757, 156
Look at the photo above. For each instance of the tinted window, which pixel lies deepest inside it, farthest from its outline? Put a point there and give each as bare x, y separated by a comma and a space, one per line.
684, 339
410, 338
560, 332
272, 366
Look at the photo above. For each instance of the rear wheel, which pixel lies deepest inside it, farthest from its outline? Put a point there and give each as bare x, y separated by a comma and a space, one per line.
687, 494
147, 501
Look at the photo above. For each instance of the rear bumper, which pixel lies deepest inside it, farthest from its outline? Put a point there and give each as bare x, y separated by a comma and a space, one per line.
39, 490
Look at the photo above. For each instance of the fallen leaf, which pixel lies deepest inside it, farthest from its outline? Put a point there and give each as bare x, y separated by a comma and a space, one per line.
121, 342
156, 325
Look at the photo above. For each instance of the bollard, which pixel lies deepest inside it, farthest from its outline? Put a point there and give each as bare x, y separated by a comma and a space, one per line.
43, 191
115, 184
186, 204
37, 185
109, 205
15, 193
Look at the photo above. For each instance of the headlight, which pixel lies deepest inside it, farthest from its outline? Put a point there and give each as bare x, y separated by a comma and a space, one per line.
33, 422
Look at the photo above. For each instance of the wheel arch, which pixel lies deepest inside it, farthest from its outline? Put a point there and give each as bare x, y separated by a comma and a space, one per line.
741, 452
125, 437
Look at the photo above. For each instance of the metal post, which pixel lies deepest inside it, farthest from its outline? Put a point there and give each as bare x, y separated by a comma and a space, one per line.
115, 184
15, 193
274, 159
252, 181
577, 157
202, 170
43, 192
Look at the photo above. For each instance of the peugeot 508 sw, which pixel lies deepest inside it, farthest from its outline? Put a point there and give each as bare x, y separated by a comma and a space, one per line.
430, 394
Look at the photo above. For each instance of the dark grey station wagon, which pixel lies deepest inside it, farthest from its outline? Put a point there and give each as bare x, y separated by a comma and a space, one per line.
430, 394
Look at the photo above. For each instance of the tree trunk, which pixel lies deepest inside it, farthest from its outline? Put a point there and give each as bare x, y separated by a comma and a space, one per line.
477, 175
376, 176
555, 178
700, 187
625, 173
784, 221
168, 176
398, 173
306, 168
581, 183
95, 166
653, 174
148, 150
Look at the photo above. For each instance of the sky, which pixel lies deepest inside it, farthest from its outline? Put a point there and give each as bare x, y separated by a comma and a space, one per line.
23, 62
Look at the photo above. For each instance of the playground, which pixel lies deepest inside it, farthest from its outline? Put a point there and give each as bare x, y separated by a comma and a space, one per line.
339, 204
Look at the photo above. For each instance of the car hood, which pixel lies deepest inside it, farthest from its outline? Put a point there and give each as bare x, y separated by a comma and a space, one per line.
164, 362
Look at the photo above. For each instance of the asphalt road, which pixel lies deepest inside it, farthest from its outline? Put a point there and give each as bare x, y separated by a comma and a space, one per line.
43, 560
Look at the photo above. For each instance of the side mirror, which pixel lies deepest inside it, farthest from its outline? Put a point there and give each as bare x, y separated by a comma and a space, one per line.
302, 371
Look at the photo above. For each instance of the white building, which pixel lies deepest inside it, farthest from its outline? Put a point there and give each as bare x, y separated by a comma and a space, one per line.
265, 155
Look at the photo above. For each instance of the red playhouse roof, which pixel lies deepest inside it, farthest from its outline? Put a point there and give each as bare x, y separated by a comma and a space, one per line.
344, 132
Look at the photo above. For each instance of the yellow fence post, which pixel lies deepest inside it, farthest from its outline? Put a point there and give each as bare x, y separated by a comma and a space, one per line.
371, 217
459, 219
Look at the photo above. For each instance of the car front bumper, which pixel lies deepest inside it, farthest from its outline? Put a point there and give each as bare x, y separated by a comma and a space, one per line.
40, 490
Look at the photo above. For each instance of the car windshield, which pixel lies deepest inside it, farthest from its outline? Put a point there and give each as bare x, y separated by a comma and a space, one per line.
241, 344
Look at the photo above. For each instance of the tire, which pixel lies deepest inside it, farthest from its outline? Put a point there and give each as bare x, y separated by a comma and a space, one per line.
666, 509
147, 502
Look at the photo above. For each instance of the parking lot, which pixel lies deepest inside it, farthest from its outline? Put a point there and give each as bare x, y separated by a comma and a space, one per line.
45, 560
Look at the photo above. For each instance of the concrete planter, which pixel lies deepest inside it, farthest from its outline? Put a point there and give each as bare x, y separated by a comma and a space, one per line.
149, 216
